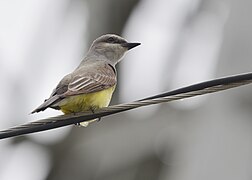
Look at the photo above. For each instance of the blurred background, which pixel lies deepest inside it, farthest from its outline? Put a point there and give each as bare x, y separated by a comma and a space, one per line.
183, 42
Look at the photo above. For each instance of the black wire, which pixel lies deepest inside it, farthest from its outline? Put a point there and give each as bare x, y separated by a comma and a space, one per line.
204, 85
64, 120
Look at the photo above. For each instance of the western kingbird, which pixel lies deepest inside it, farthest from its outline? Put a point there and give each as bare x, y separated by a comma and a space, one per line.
91, 85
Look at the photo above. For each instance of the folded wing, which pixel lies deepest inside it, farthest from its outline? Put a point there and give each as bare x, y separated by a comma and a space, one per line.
84, 80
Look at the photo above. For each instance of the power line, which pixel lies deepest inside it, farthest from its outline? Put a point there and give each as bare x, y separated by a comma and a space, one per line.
182, 93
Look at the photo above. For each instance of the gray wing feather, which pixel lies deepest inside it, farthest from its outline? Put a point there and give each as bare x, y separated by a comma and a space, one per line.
55, 96
83, 80
100, 78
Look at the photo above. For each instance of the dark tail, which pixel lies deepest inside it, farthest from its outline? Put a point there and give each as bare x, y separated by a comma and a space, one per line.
47, 104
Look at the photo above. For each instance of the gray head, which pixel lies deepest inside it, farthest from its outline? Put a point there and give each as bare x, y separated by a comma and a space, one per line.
110, 47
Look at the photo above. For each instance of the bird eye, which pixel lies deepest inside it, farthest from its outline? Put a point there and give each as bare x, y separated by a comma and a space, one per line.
111, 40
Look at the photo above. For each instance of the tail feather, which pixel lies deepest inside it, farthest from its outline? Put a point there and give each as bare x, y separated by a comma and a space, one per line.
48, 103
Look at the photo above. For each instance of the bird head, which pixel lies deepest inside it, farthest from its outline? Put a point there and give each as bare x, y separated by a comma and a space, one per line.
111, 47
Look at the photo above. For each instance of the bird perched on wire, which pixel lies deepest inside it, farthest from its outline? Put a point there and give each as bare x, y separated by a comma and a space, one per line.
91, 85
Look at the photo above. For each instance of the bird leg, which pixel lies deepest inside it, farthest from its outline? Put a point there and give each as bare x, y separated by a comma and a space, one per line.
93, 111
86, 123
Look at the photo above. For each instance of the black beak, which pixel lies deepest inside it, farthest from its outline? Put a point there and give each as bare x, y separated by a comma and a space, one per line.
130, 45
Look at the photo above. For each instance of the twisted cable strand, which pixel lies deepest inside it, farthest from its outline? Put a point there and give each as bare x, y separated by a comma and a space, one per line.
64, 120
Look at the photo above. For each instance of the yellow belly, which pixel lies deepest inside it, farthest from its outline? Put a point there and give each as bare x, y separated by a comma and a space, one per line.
86, 102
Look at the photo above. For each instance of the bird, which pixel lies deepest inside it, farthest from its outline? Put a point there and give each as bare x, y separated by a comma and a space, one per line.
91, 85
